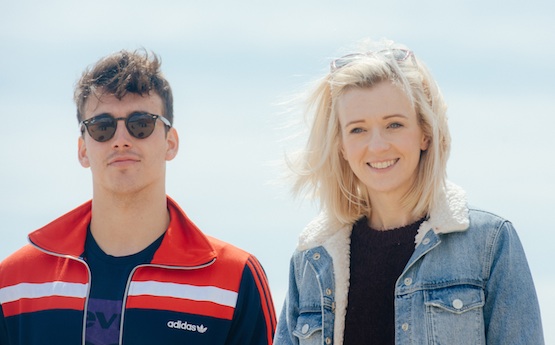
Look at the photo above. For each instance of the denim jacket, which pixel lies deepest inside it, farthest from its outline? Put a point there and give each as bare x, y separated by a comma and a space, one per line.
467, 282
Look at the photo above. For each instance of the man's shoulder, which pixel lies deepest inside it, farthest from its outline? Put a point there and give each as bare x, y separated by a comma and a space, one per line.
24, 261
229, 252
23, 256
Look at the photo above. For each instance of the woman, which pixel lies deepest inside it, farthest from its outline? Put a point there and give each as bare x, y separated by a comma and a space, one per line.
397, 256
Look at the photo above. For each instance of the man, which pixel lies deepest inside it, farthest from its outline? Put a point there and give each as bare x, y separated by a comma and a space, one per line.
129, 267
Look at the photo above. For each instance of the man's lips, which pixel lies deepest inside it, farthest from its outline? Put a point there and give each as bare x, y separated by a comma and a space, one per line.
119, 160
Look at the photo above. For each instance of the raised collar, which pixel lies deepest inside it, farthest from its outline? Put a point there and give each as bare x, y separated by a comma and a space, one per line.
448, 214
184, 245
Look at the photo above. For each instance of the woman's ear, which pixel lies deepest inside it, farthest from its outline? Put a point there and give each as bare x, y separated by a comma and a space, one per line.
425, 143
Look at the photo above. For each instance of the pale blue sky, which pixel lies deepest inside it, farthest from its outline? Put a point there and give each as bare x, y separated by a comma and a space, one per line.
233, 64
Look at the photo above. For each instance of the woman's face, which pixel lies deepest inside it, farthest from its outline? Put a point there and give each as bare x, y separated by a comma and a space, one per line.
381, 139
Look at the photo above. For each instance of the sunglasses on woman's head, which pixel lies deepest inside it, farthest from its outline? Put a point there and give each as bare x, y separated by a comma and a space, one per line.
139, 124
396, 54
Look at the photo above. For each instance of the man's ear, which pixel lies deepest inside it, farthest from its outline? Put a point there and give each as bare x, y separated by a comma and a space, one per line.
172, 138
82, 153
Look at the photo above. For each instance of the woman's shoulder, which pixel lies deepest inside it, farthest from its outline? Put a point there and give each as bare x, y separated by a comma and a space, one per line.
321, 230
487, 227
483, 218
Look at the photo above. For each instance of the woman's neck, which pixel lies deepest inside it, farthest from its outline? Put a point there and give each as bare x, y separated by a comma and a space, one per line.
390, 214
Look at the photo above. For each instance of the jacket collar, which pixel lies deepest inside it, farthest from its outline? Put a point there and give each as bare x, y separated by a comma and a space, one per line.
184, 245
449, 214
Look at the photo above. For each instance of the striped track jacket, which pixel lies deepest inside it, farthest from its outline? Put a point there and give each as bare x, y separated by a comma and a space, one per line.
196, 289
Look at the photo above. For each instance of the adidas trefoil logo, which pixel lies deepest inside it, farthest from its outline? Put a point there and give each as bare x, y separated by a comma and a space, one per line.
187, 326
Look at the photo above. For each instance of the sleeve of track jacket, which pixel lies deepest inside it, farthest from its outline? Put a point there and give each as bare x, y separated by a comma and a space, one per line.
254, 320
3, 330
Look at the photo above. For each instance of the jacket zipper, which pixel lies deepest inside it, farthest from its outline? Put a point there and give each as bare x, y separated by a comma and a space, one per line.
130, 279
81, 260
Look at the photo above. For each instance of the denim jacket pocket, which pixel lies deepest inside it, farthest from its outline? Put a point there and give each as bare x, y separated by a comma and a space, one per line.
454, 315
309, 328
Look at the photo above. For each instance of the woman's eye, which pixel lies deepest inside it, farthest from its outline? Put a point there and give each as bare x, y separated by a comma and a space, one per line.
395, 125
356, 130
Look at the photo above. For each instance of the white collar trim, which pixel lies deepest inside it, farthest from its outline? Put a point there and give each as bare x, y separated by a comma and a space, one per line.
449, 214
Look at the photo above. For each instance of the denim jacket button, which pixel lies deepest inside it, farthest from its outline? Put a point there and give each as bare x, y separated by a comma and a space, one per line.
305, 329
408, 281
328, 291
328, 340
458, 304
316, 256
426, 241
405, 327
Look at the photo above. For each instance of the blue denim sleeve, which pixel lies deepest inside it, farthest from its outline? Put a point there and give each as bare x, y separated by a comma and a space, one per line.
511, 311
289, 312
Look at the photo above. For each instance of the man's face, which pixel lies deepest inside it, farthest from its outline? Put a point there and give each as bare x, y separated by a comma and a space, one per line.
124, 164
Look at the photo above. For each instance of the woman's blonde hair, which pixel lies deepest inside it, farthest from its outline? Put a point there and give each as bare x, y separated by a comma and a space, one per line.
320, 169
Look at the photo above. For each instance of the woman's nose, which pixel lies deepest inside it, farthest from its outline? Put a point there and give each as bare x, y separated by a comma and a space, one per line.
377, 141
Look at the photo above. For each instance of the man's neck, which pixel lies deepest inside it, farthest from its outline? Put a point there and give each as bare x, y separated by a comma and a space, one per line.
126, 225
